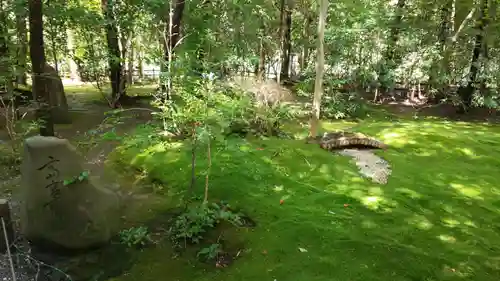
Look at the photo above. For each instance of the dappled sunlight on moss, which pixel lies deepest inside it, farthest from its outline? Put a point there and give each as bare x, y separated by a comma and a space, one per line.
447, 238
409, 192
439, 210
450, 222
420, 222
372, 202
468, 191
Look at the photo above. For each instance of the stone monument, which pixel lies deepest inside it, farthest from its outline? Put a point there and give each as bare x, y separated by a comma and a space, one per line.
60, 207
57, 97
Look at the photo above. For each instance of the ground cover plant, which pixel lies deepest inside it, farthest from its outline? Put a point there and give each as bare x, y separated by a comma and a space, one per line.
317, 218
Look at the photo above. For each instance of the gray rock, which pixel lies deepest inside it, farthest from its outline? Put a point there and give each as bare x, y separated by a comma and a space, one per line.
58, 101
369, 164
74, 216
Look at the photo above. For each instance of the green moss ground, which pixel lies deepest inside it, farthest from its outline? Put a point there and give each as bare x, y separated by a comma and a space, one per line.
438, 218
90, 92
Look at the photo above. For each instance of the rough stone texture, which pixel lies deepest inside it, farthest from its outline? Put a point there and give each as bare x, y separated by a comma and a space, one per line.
369, 164
342, 139
60, 114
76, 216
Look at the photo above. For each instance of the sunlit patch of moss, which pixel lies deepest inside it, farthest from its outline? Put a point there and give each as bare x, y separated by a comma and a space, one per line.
468, 191
420, 221
90, 92
447, 238
451, 222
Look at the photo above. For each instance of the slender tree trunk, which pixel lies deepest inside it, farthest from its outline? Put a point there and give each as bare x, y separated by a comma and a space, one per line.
163, 45
37, 54
140, 67
287, 42
392, 58
445, 30
73, 68
114, 56
125, 49
22, 44
170, 38
174, 37
202, 52
320, 69
6, 75
130, 66
305, 41
441, 68
261, 67
466, 93
262, 61
5, 62
395, 31
281, 39
54, 53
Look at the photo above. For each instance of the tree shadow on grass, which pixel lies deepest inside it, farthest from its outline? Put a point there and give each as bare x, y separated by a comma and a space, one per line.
429, 219
444, 179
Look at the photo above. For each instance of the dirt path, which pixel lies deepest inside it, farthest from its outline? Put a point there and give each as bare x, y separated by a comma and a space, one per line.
87, 116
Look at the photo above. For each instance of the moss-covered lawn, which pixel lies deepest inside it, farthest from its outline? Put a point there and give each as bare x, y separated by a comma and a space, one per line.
438, 218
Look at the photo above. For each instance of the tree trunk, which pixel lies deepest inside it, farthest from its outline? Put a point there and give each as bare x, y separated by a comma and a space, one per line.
73, 68
395, 31
466, 93
140, 67
281, 39
125, 49
442, 68
305, 41
37, 54
22, 45
261, 67
6, 76
130, 66
287, 42
54, 53
138, 52
5, 62
445, 32
391, 57
320, 69
173, 37
114, 58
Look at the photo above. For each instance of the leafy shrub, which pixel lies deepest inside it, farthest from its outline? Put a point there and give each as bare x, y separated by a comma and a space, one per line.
487, 98
221, 109
264, 93
305, 85
211, 252
10, 160
263, 107
135, 237
196, 221
335, 104
262, 121
342, 105
9, 156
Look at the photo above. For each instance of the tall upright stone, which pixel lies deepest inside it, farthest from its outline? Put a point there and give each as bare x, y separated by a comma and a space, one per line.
59, 209
57, 97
